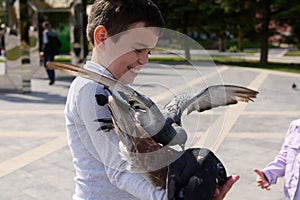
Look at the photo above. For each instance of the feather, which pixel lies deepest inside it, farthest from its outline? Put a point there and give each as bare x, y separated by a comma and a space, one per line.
208, 98
219, 95
137, 147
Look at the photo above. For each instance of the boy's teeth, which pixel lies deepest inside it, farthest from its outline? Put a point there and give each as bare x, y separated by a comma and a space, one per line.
134, 70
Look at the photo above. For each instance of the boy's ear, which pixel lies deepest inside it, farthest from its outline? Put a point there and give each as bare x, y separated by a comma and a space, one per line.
100, 34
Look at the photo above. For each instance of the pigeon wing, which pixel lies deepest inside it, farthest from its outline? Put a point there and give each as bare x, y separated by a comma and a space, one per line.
219, 95
108, 82
141, 152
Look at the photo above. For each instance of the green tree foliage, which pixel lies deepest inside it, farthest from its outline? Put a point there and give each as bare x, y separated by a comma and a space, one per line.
243, 18
282, 13
287, 13
264, 17
214, 20
182, 16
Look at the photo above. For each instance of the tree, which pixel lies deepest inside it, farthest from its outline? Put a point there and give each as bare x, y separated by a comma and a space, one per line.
281, 12
181, 16
214, 20
240, 14
240, 17
195, 15
289, 16
264, 16
1, 13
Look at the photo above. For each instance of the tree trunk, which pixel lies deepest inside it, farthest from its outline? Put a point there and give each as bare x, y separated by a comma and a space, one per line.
187, 52
240, 39
264, 51
186, 39
266, 15
222, 47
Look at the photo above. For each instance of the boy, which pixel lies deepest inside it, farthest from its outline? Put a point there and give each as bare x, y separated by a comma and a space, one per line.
122, 35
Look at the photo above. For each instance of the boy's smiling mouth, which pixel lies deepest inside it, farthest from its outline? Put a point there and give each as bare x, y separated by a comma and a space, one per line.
133, 69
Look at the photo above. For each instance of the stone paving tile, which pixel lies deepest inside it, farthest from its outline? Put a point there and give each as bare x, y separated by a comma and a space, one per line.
31, 120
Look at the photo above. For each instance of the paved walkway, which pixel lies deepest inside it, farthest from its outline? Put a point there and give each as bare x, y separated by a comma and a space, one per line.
35, 162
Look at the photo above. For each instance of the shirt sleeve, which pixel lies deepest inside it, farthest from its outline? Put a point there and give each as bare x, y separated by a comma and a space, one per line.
276, 168
104, 146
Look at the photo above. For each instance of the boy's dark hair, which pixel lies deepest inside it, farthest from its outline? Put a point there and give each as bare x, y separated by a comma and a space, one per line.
117, 15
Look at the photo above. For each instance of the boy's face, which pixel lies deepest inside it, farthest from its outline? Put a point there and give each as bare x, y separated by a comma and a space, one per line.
125, 57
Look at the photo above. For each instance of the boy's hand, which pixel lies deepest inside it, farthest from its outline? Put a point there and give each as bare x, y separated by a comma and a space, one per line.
221, 193
261, 179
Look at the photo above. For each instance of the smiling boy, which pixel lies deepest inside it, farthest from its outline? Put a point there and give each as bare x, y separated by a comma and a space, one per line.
122, 35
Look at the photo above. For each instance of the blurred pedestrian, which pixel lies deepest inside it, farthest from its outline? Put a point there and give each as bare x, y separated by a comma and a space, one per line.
51, 45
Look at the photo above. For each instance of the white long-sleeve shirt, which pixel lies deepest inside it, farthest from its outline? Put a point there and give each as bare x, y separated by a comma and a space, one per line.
100, 171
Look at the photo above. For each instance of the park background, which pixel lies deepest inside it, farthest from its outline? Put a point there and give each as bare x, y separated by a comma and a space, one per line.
35, 160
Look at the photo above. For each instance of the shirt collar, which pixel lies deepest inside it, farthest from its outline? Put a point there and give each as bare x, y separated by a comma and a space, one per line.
99, 69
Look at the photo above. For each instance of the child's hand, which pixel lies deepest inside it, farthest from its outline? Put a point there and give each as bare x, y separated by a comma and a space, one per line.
261, 180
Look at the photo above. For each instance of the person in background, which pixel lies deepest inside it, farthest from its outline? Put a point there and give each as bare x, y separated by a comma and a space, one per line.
286, 164
48, 52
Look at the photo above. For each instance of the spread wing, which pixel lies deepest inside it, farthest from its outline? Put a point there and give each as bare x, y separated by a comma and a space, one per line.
219, 95
74, 70
208, 98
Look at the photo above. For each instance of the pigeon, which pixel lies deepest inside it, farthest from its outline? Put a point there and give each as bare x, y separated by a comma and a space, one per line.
147, 134
195, 175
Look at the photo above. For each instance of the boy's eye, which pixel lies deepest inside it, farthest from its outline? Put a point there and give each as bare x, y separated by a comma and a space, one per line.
141, 50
